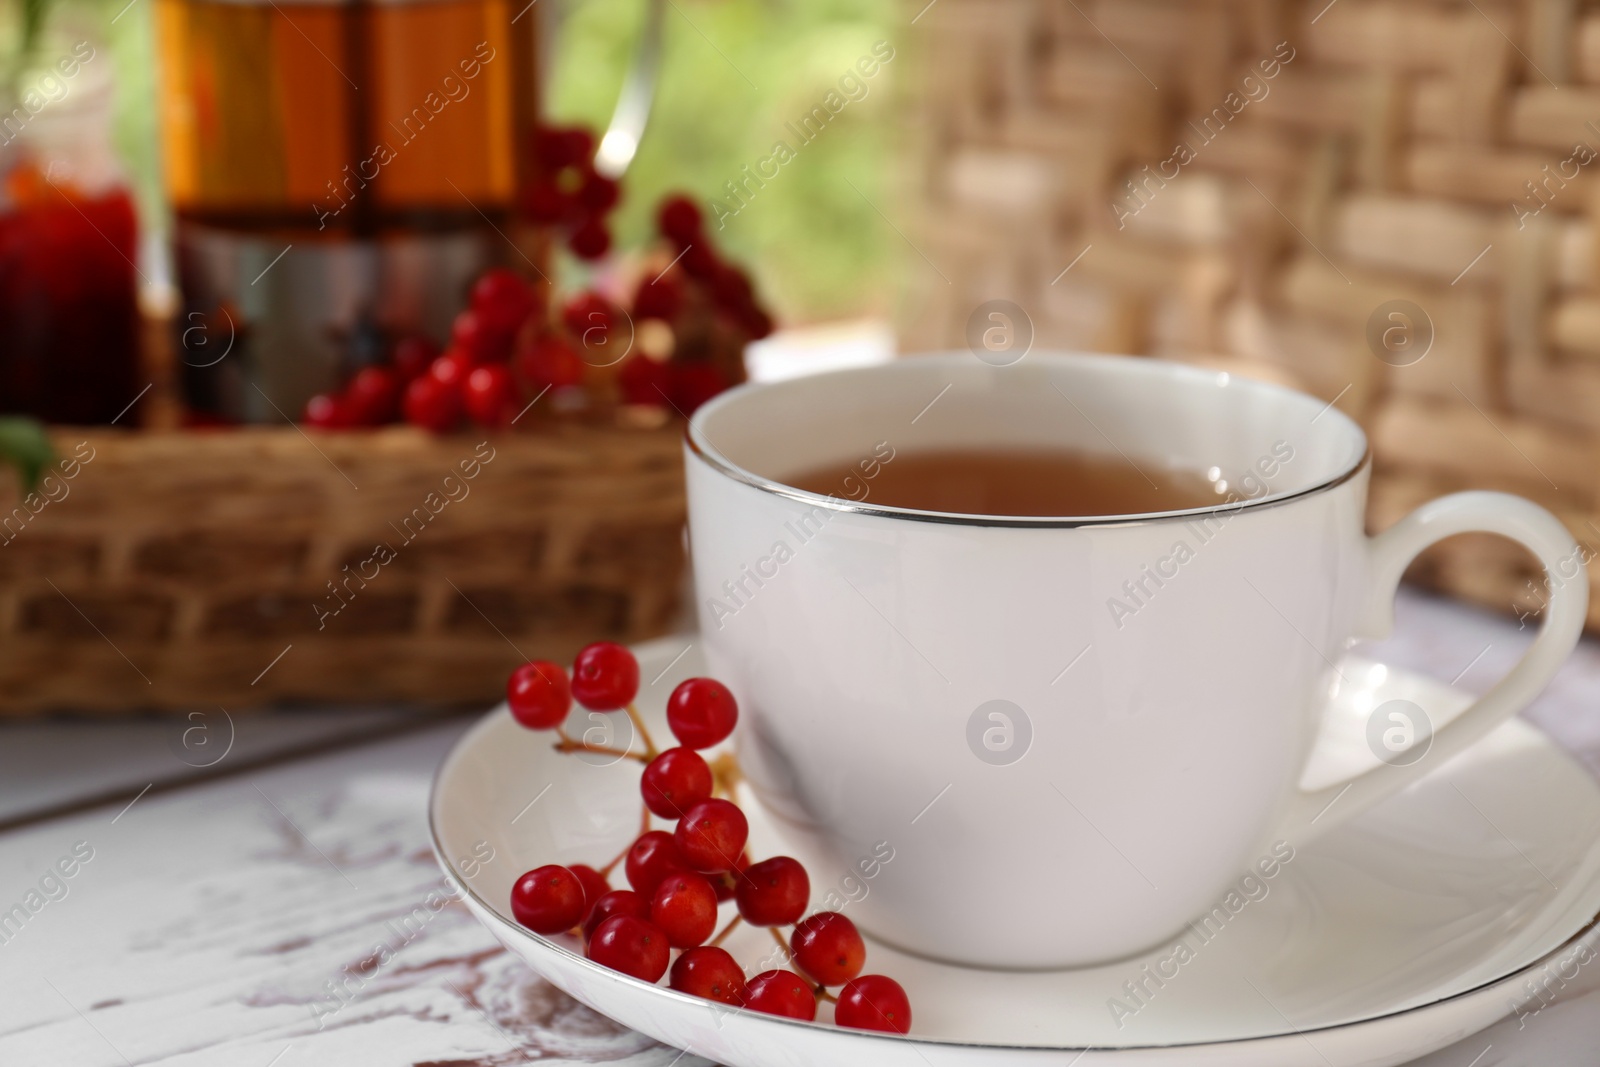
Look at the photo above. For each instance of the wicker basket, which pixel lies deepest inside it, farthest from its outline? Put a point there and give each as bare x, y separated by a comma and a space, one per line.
1388, 158
180, 570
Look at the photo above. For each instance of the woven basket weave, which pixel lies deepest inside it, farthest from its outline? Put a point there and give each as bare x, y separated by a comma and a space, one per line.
175, 570
1443, 153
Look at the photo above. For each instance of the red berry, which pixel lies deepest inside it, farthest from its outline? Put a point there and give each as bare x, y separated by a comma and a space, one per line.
594, 884
675, 781
325, 412
643, 381
658, 298
502, 300
452, 368
873, 1002
588, 312
773, 892
598, 193
564, 146
605, 677
590, 241
548, 900
432, 403
699, 261
679, 219
684, 907
781, 993
543, 201
616, 902
756, 323
828, 948
539, 695
550, 362
692, 384
731, 288
652, 858
490, 395
711, 973
478, 340
412, 357
701, 712
374, 395
631, 946
726, 882
711, 835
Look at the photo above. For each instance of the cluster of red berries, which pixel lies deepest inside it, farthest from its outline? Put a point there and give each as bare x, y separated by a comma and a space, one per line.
567, 193
679, 878
471, 378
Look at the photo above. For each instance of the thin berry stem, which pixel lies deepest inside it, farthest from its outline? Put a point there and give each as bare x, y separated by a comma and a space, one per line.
569, 744
823, 994
605, 872
787, 955
733, 924
644, 819
650, 750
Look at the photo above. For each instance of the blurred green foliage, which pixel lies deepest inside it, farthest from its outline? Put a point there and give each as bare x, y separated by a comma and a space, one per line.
733, 73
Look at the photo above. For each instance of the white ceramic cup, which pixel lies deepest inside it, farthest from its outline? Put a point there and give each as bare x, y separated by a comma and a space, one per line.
1049, 742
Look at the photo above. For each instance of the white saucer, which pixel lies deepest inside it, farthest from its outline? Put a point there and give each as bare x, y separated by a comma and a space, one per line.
1405, 930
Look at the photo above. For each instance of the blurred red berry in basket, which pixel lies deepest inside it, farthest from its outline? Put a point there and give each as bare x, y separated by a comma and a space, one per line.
490, 395
658, 298
642, 380
433, 403
692, 384
502, 301
374, 395
550, 362
412, 356
328, 412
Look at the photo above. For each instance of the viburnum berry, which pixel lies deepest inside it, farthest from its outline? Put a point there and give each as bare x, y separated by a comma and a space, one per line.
632, 946
680, 219
473, 336
658, 298
374, 395
589, 311
781, 993
590, 241
709, 972
412, 357
701, 712
651, 858
328, 412
564, 146
432, 404
550, 362
548, 900
773, 892
490, 395
684, 907
873, 1002
594, 884
598, 194
544, 201
828, 948
616, 902
711, 835
675, 781
692, 383
700, 261
502, 301
605, 677
539, 695
643, 380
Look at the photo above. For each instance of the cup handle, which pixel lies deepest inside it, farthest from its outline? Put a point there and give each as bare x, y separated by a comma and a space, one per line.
1388, 554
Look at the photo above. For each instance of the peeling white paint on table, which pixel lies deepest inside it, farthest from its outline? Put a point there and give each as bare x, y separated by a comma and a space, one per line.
293, 915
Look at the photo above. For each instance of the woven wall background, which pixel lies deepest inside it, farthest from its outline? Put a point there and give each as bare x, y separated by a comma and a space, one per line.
1341, 157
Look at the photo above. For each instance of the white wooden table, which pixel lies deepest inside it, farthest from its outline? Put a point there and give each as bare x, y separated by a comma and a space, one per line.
266, 915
